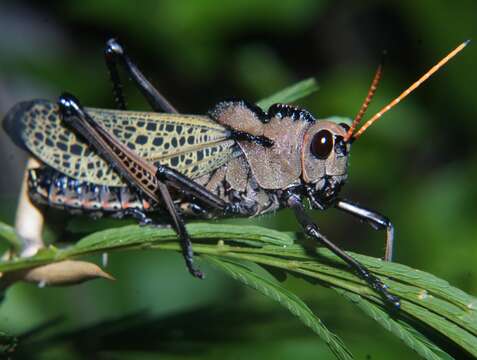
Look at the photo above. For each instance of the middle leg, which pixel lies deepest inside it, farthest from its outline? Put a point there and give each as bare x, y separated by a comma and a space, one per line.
312, 231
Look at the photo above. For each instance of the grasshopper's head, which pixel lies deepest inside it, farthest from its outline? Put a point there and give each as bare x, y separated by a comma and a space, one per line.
326, 145
324, 160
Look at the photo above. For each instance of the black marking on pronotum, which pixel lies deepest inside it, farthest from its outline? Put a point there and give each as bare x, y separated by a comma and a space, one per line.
245, 136
221, 106
284, 110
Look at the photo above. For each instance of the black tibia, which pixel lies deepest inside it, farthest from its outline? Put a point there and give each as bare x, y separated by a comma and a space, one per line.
312, 231
114, 54
74, 115
181, 230
376, 220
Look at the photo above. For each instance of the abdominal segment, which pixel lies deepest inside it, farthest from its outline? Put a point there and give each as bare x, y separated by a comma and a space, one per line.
47, 186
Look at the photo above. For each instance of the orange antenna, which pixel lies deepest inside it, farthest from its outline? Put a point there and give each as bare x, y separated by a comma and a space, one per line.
410, 89
364, 107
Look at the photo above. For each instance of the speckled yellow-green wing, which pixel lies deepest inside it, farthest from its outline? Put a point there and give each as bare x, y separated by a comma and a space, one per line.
193, 145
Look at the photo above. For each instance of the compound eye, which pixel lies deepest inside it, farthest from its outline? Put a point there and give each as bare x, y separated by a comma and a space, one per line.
322, 144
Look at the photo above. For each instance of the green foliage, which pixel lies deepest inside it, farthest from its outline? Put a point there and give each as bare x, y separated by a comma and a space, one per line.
427, 302
284, 297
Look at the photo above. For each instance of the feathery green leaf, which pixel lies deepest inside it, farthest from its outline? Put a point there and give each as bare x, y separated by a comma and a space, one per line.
284, 297
430, 302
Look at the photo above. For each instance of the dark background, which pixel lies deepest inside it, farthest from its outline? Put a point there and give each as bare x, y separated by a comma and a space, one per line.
417, 165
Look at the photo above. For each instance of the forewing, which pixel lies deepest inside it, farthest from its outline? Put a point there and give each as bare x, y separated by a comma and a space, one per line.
192, 145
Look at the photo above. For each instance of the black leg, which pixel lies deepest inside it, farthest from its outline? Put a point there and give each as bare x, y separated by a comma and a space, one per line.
179, 227
376, 220
115, 54
181, 182
118, 94
312, 231
181, 230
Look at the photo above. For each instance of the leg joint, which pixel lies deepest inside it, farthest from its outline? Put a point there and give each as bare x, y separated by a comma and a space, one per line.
380, 222
311, 230
113, 48
69, 106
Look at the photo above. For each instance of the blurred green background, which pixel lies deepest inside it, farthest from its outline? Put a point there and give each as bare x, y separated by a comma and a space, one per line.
418, 165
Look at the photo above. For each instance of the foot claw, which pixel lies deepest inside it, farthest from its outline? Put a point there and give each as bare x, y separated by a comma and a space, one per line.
198, 274
193, 270
382, 289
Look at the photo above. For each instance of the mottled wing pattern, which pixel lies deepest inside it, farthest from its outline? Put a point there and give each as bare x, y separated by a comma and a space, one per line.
193, 145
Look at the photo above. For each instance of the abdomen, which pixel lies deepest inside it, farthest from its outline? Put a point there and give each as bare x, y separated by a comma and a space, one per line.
47, 186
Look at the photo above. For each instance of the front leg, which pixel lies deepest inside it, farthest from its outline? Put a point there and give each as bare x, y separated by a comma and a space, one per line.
312, 231
376, 220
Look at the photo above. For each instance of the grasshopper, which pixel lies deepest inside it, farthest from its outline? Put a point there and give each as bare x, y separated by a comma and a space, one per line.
237, 160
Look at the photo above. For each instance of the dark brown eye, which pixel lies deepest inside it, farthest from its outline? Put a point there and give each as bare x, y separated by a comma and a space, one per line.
322, 144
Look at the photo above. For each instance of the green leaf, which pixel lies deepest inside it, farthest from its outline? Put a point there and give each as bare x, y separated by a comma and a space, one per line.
287, 299
290, 94
411, 337
245, 234
8, 233
429, 301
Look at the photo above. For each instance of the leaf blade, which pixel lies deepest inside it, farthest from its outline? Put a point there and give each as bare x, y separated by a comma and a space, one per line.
444, 309
411, 338
286, 299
